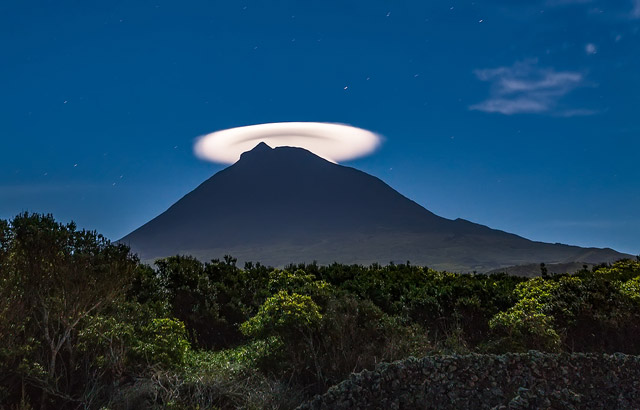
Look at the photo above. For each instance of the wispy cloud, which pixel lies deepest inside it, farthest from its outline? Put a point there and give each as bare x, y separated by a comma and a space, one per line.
617, 10
592, 223
8, 191
558, 3
635, 11
578, 112
526, 88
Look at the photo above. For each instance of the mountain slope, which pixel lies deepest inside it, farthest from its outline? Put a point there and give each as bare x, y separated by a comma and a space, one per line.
287, 205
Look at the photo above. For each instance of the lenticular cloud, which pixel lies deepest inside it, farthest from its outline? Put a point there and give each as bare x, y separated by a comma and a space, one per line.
333, 142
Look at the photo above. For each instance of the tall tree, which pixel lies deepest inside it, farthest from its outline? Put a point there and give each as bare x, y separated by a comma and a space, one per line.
53, 277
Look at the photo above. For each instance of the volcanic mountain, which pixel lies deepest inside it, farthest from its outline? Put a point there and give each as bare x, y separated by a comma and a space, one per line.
287, 205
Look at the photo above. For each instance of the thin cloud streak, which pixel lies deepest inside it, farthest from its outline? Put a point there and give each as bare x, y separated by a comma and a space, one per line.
559, 3
580, 112
525, 88
37, 189
596, 224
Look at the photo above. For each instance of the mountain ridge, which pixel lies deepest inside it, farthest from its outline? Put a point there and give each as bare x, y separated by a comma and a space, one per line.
286, 204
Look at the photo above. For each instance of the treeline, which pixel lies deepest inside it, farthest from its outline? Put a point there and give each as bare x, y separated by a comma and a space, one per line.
84, 324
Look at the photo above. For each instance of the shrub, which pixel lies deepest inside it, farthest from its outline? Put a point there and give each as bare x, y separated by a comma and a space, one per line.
589, 312
226, 379
355, 334
162, 343
285, 315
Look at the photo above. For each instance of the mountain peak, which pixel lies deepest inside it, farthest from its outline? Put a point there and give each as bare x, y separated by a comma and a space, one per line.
293, 156
262, 146
259, 149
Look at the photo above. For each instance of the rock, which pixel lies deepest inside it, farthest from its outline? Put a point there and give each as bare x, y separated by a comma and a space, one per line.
514, 381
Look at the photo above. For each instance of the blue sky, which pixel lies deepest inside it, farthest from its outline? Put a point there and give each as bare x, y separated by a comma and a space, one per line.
521, 117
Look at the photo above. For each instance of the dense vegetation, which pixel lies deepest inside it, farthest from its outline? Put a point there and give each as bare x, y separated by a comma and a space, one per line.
84, 324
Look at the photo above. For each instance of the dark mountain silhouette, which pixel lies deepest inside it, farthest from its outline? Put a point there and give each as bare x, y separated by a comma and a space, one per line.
284, 205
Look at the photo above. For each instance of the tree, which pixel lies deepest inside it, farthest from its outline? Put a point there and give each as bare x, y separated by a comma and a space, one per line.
543, 270
192, 298
58, 283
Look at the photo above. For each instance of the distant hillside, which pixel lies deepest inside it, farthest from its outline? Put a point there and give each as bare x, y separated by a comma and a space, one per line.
286, 204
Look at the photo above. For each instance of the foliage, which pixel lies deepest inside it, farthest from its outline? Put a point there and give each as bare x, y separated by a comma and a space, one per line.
631, 289
163, 343
66, 323
355, 334
284, 314
85, 325
226, 379
299, 282
53, 278
191, 296
322, 349
589, 311
525, 328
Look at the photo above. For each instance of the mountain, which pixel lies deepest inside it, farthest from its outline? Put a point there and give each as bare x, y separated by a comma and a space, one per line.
284, 205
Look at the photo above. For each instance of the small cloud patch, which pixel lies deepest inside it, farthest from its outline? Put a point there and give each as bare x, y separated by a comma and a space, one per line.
526, 88
635, 11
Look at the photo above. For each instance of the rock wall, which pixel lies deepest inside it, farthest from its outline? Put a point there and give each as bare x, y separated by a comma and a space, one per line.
512, 381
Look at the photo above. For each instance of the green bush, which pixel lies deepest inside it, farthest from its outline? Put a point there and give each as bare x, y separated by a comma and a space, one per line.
631, 289
355, 334
162, 343
284, 315
524, 327
590, 312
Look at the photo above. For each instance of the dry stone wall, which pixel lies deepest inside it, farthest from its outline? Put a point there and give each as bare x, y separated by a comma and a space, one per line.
512, 381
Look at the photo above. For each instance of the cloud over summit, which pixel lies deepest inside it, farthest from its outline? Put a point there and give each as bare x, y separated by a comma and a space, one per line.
334, 142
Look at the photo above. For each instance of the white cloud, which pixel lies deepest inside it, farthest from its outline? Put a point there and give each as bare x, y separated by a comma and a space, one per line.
590, 49
526, 88
334, 142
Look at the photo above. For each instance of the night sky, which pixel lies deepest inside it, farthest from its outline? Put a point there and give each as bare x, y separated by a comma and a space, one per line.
523, 117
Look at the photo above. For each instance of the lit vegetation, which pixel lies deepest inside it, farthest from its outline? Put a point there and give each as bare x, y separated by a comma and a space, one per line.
84, 325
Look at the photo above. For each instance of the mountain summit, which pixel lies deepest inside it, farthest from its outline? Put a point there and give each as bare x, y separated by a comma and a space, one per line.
286, 205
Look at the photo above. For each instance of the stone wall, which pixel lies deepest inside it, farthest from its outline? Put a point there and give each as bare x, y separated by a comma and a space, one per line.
512, 381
